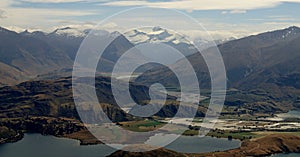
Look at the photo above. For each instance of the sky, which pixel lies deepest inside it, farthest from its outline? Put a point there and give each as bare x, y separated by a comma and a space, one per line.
221, 18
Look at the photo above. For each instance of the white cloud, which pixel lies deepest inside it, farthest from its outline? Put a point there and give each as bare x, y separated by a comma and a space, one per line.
281, 18
224, 12
234, 12
18, 18
28, 18
5, 3
2, 14
238, 11
52, 1
204, 4
43, 18
63, 1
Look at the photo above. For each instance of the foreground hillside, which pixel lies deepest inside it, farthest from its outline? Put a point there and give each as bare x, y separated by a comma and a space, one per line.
54, 98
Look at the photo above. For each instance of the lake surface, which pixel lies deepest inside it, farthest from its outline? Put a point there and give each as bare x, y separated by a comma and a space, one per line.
283, 116
36, 145
290, 114
194, 144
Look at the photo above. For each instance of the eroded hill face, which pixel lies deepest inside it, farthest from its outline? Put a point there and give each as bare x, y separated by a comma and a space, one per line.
52, 98
55, 98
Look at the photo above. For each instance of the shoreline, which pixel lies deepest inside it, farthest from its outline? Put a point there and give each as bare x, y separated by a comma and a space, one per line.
267, 145
73, 129
19, 136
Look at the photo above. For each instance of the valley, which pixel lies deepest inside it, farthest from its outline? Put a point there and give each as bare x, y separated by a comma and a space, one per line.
260, 113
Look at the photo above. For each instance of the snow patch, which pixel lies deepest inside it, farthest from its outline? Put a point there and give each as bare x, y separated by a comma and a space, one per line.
154, 35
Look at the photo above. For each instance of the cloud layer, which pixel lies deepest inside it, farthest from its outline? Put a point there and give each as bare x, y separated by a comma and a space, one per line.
52, 1
225, 18
204, 4
2, 14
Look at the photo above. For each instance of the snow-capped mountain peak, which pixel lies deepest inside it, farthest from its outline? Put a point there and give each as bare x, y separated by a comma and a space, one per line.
70, 32
154, 35
291, 31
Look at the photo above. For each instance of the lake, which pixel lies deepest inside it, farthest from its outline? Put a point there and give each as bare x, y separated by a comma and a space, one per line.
290, 114
193, 144
36, 145
283, 116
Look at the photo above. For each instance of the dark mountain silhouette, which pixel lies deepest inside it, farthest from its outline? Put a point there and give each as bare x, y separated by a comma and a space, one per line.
26, 55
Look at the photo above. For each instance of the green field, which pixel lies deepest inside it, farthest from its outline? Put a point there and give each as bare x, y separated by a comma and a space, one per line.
142, 126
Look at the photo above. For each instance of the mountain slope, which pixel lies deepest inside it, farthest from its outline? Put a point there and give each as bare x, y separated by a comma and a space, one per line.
28, 55
158, 35
249, 55
25, 55
54, 98
267, 62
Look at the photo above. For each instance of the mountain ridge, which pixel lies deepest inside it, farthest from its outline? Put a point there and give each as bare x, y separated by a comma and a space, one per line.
25, 55
264, 62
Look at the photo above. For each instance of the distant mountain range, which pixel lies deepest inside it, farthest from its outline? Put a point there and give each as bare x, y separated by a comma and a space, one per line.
248, 55
182, 43
155, 35
26, 54
249, 61
264, 68
23, 56
267, 63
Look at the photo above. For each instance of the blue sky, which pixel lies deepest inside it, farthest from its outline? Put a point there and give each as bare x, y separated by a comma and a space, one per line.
222, 18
